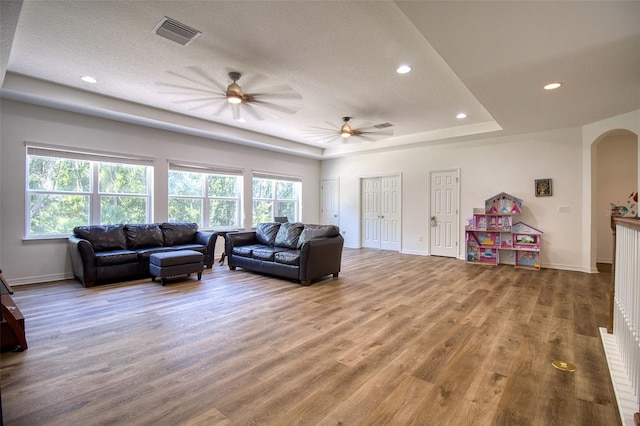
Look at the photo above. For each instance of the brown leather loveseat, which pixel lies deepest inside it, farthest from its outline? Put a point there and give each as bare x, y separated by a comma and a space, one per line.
296, 251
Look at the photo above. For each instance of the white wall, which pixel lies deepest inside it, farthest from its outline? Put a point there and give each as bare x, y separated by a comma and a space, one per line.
488, 166
34, 261
617, 178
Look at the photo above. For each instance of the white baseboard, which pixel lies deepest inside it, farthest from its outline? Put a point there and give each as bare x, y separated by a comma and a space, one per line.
416, 252
36, 279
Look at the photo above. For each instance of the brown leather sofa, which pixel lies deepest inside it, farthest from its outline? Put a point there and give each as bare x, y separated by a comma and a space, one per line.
296, 251
107, 253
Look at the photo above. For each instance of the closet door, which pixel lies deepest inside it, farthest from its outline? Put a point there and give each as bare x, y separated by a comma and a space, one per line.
381, 213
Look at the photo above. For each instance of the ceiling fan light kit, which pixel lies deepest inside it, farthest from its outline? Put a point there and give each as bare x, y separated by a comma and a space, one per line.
345, 130
234, 91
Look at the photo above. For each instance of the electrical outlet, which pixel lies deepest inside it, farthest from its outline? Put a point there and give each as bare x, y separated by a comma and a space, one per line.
564, 209
420, 238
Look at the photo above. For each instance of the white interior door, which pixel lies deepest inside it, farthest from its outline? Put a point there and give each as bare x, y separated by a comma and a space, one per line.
381, 213
444, 213
371, 213
331, 202
390, 213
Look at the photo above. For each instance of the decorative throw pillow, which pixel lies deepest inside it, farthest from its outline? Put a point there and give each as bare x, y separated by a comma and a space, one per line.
103, 237
288, 235
266, 233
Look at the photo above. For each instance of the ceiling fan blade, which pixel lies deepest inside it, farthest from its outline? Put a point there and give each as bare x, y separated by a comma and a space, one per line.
223, 105
275, 107
187, 78
329, 129
251, 80
287, 96
381, 133
329, 139
204, 105
191, 89
366, 127
317, 134
281, 88
253, 112
199, 71
208, 98
367, 138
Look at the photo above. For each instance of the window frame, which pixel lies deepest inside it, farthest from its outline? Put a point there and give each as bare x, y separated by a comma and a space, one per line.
276, 178
93, 193
206, 171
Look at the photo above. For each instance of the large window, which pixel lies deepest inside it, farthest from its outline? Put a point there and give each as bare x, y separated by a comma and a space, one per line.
208, 196
275, 196
67, 189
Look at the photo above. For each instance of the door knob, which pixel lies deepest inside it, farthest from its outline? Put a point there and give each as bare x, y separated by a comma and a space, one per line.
434, 222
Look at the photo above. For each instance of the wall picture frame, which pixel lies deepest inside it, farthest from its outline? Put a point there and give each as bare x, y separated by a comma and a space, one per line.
543, 188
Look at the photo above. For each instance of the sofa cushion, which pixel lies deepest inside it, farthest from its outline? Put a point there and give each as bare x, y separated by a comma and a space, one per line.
265, 254
116, 257
246, 251
103, 237
145, 253
266, 233
311, 232
288, 235
143, 235
287, 257
197, 247
178, 233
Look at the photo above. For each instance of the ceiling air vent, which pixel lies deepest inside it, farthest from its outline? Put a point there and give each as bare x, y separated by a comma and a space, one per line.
383, 125
175, 31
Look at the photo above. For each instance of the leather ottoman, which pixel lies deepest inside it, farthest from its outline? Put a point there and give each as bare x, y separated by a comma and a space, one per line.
175, 263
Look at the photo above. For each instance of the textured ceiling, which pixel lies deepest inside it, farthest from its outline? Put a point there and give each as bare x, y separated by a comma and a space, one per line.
488, 59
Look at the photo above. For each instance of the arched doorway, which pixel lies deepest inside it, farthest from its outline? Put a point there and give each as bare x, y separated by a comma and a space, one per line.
614, 171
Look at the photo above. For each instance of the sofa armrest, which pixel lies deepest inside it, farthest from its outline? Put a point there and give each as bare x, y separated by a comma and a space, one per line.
321, 257
83, 260
207, 239
240, 238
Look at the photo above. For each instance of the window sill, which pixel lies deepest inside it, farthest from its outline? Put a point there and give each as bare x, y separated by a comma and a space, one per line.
44, 240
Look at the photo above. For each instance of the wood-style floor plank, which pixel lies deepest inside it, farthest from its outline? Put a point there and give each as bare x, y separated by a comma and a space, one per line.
396, 340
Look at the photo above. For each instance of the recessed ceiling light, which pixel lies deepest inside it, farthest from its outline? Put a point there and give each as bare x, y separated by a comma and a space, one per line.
88, 79
461, 115
403, 69
552, 86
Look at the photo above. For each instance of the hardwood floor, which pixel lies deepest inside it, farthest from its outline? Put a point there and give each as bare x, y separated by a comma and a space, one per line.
395, 340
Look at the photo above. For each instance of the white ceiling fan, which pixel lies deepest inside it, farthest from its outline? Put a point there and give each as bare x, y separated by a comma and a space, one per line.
199, 90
